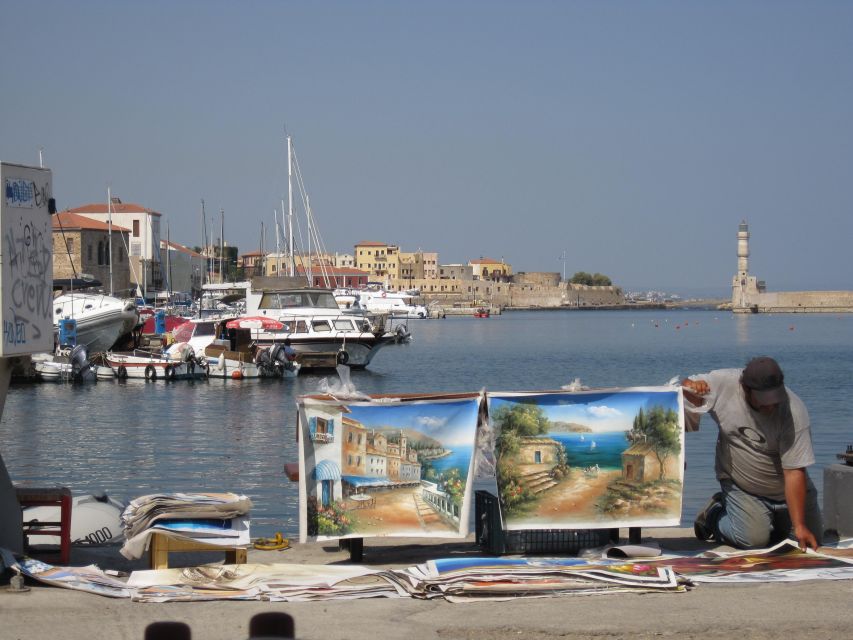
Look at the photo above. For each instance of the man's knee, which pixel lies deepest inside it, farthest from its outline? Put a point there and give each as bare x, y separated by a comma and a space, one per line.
748, 538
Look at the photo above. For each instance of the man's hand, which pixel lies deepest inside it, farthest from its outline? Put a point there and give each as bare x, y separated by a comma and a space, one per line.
805, 537
694, 390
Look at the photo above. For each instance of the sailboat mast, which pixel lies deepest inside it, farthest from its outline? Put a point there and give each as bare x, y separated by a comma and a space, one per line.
204, 242
110, 235
221, 243
308, 215
168, 265
277, 243
290, 207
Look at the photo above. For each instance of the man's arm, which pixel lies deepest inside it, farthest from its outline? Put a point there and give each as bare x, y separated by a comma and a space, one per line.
795, 496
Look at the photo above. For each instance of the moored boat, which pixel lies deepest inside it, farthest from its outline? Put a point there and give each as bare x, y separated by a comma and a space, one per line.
101, 319
150, 365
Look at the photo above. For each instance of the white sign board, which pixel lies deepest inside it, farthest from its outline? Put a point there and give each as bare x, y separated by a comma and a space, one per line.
26, 260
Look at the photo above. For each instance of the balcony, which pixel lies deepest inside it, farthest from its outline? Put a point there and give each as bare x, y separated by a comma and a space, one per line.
323, 438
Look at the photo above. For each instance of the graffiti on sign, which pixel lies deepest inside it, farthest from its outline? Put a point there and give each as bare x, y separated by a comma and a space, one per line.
27, 257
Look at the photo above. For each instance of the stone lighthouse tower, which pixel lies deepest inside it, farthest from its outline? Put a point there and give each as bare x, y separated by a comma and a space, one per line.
745, 288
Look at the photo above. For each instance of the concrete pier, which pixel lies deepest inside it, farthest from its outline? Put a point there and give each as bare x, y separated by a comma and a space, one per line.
811, 610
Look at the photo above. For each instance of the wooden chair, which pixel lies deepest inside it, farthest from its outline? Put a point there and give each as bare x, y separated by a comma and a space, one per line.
48, 497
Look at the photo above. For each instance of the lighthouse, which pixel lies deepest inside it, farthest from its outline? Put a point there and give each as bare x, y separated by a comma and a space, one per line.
743, 249
745, 288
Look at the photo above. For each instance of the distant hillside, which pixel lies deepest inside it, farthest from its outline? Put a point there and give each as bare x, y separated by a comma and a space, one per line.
416, 439
559, 426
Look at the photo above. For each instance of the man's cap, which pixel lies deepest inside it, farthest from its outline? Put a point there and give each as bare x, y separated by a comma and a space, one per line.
766, 380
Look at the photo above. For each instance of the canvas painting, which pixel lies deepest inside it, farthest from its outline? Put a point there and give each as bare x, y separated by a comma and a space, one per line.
379, 468
593, 459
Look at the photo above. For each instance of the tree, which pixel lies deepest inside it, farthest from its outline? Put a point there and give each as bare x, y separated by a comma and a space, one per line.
659, 429
596, 279
514, 422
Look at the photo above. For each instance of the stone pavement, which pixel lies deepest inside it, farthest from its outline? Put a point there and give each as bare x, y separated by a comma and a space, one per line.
814, 609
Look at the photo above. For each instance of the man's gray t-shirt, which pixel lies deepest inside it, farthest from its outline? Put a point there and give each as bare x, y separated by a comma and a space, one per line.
753, 449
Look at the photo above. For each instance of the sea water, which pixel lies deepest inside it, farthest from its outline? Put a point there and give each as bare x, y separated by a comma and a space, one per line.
135, 437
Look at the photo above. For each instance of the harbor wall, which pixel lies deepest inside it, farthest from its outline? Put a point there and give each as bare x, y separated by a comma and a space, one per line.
536, 292
798, 302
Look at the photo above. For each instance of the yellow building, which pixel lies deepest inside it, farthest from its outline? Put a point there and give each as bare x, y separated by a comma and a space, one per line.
489, 269
380, 260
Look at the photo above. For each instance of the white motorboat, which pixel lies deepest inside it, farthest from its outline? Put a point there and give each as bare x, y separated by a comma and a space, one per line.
319, 331
67, 366
322, 335
101, 319
372, 300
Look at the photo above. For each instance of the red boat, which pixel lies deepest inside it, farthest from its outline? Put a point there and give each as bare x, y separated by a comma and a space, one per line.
482, 312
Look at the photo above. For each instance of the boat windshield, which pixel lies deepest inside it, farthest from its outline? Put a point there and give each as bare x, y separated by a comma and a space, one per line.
291, 299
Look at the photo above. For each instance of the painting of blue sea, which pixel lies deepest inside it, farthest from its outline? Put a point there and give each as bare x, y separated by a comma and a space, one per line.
589, 459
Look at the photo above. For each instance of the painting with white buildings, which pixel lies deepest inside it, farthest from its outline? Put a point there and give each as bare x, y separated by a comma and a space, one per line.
379, 468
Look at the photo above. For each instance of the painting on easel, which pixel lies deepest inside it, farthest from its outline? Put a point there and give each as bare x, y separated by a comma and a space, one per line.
379, 468
592, 459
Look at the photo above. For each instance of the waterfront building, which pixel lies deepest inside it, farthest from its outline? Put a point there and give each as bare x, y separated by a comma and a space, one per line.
380, 260
251, 264
81, 246
489, 269
185, 268
146, 265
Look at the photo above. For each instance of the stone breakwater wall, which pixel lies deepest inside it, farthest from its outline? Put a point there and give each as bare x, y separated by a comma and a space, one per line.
799, 302
527, 296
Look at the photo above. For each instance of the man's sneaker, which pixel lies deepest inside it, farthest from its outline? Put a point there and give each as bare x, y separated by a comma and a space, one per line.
706, 522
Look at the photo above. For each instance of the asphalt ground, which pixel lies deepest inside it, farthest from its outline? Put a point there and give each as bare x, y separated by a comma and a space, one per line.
811, 609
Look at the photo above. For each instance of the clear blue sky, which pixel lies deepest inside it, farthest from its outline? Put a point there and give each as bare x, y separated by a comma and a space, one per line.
634, 136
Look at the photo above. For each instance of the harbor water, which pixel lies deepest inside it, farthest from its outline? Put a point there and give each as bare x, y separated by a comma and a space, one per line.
134, 437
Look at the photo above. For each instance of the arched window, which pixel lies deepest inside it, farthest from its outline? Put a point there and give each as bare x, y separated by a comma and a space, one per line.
100, 253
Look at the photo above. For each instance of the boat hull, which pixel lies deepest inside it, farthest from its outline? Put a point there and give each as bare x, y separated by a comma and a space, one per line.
149, 367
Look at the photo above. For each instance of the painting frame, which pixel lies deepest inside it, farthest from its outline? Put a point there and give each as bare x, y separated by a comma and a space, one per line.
379, 466
554, 472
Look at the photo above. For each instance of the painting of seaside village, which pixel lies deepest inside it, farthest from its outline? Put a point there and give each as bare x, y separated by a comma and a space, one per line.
386, 469
589, 459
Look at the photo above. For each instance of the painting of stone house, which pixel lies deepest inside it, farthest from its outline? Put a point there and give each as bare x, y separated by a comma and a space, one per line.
538, 451
641, 464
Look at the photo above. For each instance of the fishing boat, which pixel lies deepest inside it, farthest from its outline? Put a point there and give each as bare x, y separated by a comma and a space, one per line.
236, 355
482, 312
177, 365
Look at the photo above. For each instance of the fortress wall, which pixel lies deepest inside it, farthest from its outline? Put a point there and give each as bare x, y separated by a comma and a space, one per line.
803, 301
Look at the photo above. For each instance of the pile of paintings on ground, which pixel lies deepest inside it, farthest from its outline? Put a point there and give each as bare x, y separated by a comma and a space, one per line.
220, 519
460, 579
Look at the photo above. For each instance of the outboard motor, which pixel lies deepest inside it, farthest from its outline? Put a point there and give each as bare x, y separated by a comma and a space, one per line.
278, 356
79, 358
264, 361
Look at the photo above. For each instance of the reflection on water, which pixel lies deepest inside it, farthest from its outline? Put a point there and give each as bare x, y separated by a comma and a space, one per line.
741, 321
135, 438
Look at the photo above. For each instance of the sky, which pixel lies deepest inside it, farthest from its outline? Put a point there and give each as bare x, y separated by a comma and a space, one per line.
625, 138
451, 423
601, 412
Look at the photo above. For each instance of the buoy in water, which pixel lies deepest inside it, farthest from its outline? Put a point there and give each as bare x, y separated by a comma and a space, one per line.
236, 375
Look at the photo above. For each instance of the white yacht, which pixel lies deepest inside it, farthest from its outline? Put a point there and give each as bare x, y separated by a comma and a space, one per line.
370, 300
101, 319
